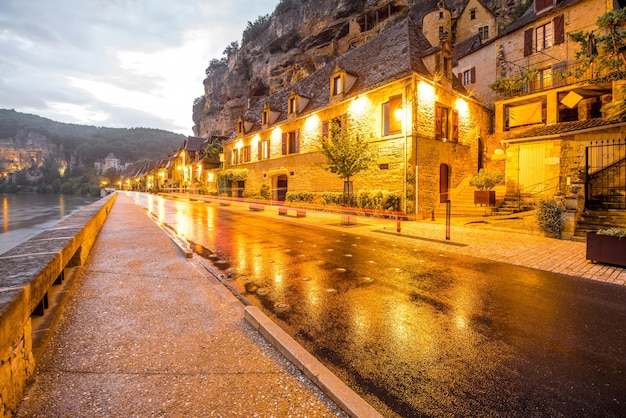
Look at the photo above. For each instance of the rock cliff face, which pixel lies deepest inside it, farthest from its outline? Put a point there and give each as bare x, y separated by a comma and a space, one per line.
26, 150
299, 38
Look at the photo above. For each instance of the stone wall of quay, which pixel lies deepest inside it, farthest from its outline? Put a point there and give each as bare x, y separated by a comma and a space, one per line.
27, 272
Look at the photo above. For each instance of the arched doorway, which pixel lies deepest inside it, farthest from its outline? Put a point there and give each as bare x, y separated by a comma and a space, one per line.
281, 188
444, 183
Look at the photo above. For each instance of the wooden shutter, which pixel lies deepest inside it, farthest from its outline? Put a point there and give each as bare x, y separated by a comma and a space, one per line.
260, 150
297, 141
455, 125
325, 129
559, 29
438, 122
473, 74
284, 143
460, 75
229, 157
528, 42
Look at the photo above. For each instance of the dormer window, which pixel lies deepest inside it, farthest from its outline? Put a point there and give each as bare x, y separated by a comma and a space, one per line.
296, 104
341, 82
243, 126
240, 127
268, 116
293, 105
337, 89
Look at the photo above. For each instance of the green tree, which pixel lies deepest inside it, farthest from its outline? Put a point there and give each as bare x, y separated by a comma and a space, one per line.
609, 38
348, 153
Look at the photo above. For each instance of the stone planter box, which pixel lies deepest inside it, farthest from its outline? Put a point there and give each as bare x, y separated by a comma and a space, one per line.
485, 197
606, 249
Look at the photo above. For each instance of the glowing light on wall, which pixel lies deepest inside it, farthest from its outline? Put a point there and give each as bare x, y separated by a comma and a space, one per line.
276, 135
210, 177
312, 123
358, 106
239, 144
255, 139
426, 92
462, 107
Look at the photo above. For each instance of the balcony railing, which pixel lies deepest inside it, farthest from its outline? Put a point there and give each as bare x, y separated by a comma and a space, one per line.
558, 75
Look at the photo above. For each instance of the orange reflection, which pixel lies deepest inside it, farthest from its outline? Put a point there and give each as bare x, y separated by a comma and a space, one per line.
5, 214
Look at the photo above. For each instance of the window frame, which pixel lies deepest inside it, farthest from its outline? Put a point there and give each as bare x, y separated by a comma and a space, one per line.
483, 32
390, 124
446, 123
544, 37
291, 142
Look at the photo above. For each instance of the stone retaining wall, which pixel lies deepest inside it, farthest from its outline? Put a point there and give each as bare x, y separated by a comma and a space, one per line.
26, 274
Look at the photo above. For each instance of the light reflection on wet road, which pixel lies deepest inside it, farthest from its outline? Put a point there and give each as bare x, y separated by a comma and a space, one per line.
420, 332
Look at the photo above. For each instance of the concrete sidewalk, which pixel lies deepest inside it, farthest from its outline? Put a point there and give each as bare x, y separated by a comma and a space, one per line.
148, 332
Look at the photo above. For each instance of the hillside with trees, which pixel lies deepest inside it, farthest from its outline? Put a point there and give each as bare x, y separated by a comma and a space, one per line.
38, 152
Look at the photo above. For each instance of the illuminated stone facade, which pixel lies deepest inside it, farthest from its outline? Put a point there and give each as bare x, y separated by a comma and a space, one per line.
384, 88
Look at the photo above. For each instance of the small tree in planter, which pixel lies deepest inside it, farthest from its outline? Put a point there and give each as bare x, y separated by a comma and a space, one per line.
551, 217
607, 246
347, 153
485, 181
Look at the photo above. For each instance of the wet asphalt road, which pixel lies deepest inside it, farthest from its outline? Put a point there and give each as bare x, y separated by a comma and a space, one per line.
418, 332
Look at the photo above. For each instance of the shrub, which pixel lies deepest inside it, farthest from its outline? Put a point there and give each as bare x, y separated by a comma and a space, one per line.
486, 180
615, 232
551, 217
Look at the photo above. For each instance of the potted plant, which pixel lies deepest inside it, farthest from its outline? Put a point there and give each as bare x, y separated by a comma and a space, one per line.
485, 181
607, 246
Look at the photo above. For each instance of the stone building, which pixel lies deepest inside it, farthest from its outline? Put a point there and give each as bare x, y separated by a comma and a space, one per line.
550, 94
398, 89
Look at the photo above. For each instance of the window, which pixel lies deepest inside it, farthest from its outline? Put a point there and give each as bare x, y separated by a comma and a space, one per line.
543, 37
264, 150
235, 155
240, 127
483, 32
441, 32
291, 142
246, 154
468, 76
446, 123
541, 5
293, 105
473, 14
333, 125
544, 79
392, 116
337, 85
265, 117
440, 15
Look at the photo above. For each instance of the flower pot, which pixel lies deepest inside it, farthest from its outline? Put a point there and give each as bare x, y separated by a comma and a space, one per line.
485, 197
606, 249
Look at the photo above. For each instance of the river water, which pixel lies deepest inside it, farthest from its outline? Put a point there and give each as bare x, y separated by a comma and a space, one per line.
25, 215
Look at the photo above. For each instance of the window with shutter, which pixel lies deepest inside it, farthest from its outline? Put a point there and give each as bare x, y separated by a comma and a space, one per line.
438, 126
455, 125
260, 151
284, 139
559, 29
296, 147
325, 129
528, 42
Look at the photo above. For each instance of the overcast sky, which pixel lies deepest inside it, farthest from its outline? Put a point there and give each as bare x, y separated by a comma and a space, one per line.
115, 63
